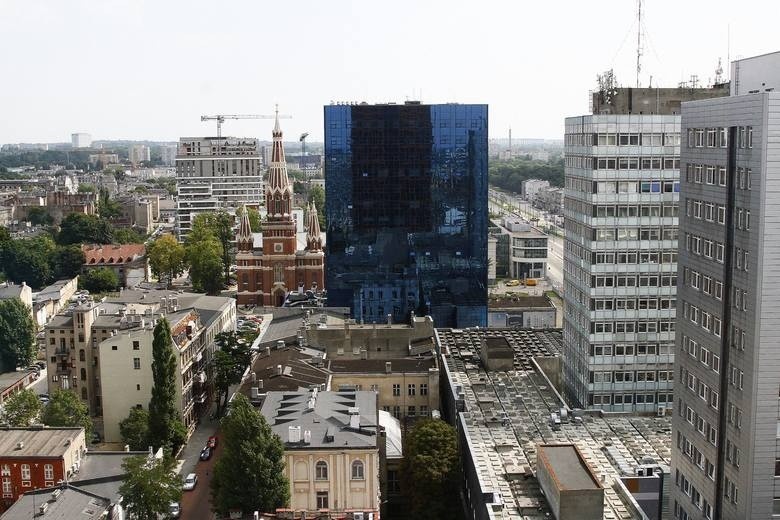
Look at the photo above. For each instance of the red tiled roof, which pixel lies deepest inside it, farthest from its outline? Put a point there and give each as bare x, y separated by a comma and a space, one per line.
112, 254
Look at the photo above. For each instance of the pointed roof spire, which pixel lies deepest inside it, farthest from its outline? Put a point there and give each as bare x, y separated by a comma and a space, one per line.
278, 182
244, 238
277, 128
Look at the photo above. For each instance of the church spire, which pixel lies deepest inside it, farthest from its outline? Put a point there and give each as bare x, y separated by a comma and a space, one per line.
244, 240
278, 191
313, 236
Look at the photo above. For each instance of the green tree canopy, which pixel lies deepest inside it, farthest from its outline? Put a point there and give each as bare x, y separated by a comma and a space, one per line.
317, 196
66, 409
165, 425
107, 207
149, 487
134, 429
220, 224
67, 261
250, 473
21, 409
29, 260
230, 361
430, 468
99, 280
509, 175
128, 236
203, 253
17, 333
78, 228
86, 187
166, 258
39, 217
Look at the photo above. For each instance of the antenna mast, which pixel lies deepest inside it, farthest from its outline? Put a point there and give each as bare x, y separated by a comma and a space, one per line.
638, 40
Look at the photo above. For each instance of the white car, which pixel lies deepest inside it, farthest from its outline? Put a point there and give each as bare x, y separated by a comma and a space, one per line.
174, 510
189, 482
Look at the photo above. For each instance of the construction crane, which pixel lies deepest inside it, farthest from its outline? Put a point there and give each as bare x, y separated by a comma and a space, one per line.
303, 147
220, 118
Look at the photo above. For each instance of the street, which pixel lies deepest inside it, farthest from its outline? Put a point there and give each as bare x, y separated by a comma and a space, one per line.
196, 504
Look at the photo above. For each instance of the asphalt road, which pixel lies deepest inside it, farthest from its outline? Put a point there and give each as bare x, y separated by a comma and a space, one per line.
196, 504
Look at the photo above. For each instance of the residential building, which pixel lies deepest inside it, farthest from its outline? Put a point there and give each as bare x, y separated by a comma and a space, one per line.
725, 461
50, 300
168, 154
10, 290
103, 158
620, 253
138, 153
550, 200
64, 502
216, 173
503, 409
407, 212
332, 446
34, 458
121, 328
13, 381
128, 261
529, 188
80, 140
266, 275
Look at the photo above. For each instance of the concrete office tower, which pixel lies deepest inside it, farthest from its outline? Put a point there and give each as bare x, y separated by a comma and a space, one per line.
406, 208
725, 429
139, 153
215, 174
620, 254
80, 140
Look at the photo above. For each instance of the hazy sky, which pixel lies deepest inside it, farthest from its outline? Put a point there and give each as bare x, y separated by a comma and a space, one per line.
138, 69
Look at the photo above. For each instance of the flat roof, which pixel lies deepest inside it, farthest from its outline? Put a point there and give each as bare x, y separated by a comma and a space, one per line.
8, 379
37, 442
567, 467
378, 366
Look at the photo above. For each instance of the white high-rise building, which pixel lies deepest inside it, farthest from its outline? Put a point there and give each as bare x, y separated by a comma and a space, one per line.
215, 174
139, 153
80, 140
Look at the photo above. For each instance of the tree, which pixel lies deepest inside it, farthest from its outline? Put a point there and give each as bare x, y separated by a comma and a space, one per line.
17, 334
21, 409
86, 188
163, 416
203, 253
510, 174
221, 226
67, 261
149, 486
29, 260
250, 473
128, 236
230, 361
430, 467
66, 409
317, 196
78, 228
134, 429
166, 258
99, 280
106, 207
39, 216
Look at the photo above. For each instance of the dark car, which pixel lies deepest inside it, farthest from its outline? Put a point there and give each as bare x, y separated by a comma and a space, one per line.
41, 364
212, 443
205, 454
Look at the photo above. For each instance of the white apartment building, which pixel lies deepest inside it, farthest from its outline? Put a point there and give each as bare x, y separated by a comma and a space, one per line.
527, 249
102, 352
138, 153
216, 173
80, 140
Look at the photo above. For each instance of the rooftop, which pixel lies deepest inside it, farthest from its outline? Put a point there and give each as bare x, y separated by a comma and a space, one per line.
297, 372
504, 415
379, 366
327, 418
112, 254
62, 503
521, 301
37, 442
567, 467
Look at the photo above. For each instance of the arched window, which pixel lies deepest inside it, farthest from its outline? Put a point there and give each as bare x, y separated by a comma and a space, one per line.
321, 470
278, 273
357, 470
82, 355
84, 392
84, 374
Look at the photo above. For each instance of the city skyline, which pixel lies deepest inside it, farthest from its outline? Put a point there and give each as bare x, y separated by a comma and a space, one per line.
148, 87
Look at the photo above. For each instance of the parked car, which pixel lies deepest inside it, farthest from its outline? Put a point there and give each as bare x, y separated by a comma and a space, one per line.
174, 510
41, 364
205, 454
96, 438
513, 283
43, 398
212, 442
189, 482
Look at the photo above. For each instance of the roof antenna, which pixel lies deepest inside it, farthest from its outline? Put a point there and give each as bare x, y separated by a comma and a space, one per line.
638, 40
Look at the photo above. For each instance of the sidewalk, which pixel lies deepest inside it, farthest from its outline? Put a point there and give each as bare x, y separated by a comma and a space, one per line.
190, 455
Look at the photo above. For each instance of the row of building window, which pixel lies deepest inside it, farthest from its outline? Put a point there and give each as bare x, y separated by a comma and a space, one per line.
630, 304
703, 391
704, 247
644, 257
621, 376
630, 327
641, 349
411, 389
708, 211
696, 351
321, 470
618, 399
25, 473
696, 499
702, 282
705, 429
636, 233
706, 320
637, 210
651, 186
622, 139
633, 280
411, 411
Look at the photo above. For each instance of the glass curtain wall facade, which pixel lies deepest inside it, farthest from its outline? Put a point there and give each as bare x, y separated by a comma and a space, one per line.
406, 207
620, 260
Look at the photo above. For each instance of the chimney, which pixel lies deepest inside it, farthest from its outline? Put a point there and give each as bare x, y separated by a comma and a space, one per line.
254, 377
307, 437
278, 370
293, 434
268, 351
255, 392
260, 384
354, 418
388, 367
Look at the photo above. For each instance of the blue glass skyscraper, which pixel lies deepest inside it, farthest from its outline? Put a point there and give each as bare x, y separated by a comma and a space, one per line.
406, 206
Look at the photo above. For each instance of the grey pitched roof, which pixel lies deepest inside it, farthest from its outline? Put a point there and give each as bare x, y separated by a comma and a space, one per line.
326, 415
70, 503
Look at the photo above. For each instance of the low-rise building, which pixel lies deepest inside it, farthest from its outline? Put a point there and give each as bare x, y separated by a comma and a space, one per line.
530, 187
33, 458
64, 502
50, 300
521, 311
332, 445
128, 261
549, 199
14, 381
527, 249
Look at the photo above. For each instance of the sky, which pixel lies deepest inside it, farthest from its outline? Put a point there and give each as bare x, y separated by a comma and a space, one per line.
148, 69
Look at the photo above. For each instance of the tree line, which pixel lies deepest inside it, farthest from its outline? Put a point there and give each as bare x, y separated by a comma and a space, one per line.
509, 175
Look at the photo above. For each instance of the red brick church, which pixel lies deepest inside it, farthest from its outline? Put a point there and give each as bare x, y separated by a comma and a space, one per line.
267, 274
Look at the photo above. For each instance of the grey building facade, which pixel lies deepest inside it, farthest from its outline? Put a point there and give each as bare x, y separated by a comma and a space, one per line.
725, 430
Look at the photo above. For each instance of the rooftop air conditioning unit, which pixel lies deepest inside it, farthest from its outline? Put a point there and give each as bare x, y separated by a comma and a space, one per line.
357, 516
